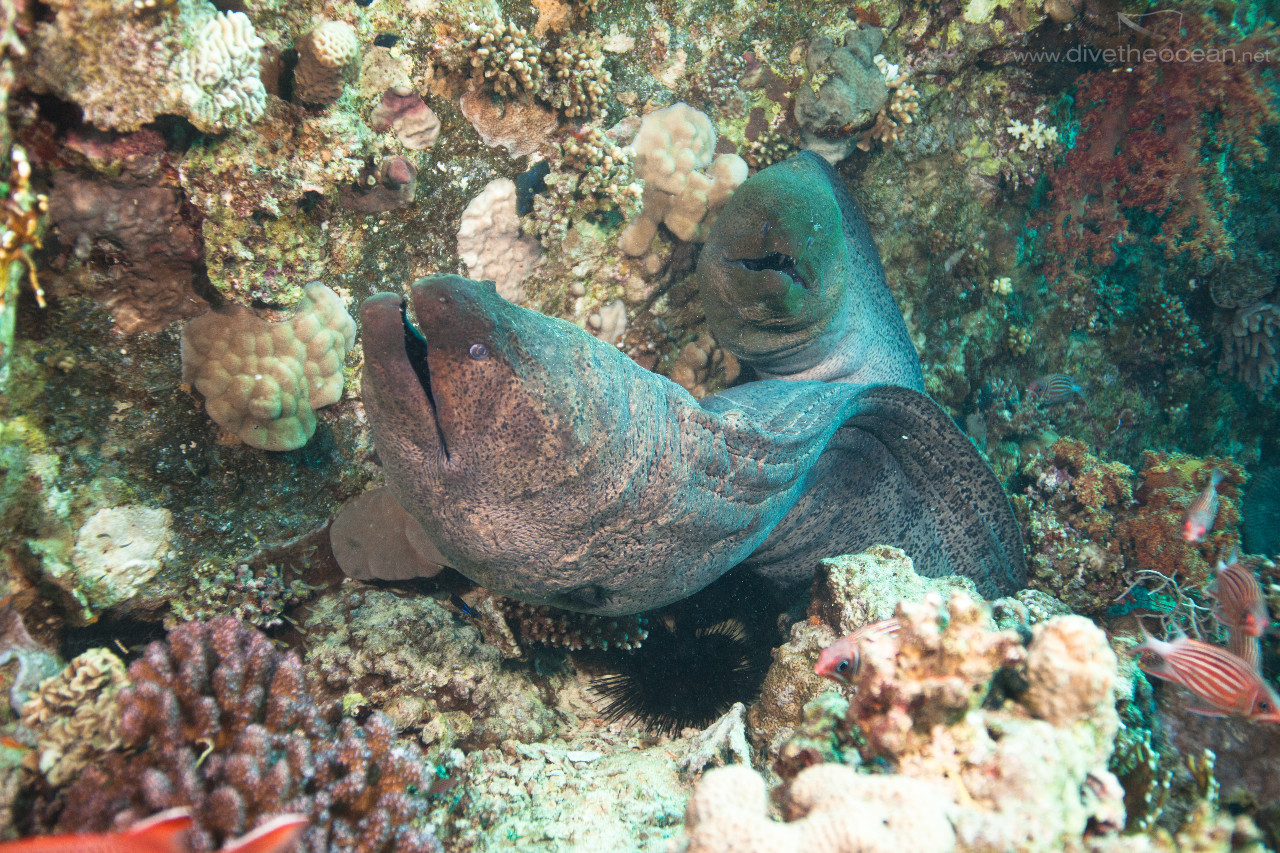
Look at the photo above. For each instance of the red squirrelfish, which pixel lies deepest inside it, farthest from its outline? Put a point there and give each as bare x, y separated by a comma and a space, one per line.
1241, 606
841, 660
1198, 520
1224, 682
165, 832
1054, 388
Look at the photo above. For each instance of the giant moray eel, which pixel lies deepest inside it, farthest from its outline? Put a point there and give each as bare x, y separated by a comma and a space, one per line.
549, 467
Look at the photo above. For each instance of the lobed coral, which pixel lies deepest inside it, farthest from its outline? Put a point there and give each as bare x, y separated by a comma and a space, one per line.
671, 146
262, 380
490, 242
219, 721
327, 54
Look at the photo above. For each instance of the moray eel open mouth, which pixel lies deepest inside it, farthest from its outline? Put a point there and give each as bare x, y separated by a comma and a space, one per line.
415, 349
775, 261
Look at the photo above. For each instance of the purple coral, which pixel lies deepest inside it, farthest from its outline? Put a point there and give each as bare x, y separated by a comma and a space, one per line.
220, 721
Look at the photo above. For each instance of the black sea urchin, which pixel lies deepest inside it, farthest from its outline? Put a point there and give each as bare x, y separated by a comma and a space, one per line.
682, 676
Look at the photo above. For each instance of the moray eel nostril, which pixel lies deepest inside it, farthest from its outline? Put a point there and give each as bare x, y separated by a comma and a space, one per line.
574, 477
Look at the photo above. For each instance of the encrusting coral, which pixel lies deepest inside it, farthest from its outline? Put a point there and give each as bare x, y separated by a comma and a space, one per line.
219, 721
262, 380
74, 716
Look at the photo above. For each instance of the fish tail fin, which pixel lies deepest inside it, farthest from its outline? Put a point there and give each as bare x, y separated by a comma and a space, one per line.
275, 836
164, 830
1216, 477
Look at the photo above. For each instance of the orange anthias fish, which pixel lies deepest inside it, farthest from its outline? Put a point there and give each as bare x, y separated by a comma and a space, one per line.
1226, 684
163, 833
841, 660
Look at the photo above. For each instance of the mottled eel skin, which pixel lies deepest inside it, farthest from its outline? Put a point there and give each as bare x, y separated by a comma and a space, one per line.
549, 467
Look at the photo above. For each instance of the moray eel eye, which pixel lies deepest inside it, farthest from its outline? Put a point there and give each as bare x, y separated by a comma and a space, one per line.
775, 261
479, 352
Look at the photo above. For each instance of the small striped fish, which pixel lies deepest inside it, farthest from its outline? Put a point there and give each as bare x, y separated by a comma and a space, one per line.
1226, 683
1241, 606
1054, 388
841, 660
1200, 515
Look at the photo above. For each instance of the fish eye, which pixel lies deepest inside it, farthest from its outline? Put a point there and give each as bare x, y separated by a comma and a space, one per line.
1264, 706
479, 352
843, 666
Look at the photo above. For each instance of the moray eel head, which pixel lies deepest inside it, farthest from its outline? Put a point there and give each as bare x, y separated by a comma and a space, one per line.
773, 274
480, 411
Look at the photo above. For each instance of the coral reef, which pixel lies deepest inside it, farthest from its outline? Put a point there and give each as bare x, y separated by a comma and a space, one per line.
1096, 533
74, 716
124, 69
230, 730
326, 55
262, 381
1157, 116
968, 776
848, 592
424, 667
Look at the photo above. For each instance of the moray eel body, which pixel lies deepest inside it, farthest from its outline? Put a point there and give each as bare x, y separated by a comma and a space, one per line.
549, 467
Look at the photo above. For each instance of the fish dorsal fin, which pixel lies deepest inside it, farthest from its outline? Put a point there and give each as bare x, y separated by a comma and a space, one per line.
164, 830
979, 534
275, 836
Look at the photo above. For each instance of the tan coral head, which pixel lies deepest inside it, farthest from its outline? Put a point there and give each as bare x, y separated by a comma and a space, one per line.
263, 381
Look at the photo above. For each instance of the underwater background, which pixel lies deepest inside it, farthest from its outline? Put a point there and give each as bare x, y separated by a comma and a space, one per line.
1077, 207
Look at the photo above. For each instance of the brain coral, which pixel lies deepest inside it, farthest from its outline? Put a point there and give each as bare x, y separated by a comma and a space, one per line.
218, 75
262, 380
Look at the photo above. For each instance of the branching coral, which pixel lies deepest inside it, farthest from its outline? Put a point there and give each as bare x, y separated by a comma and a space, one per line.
1143, 142
1251, 347
579, 82
223, 723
